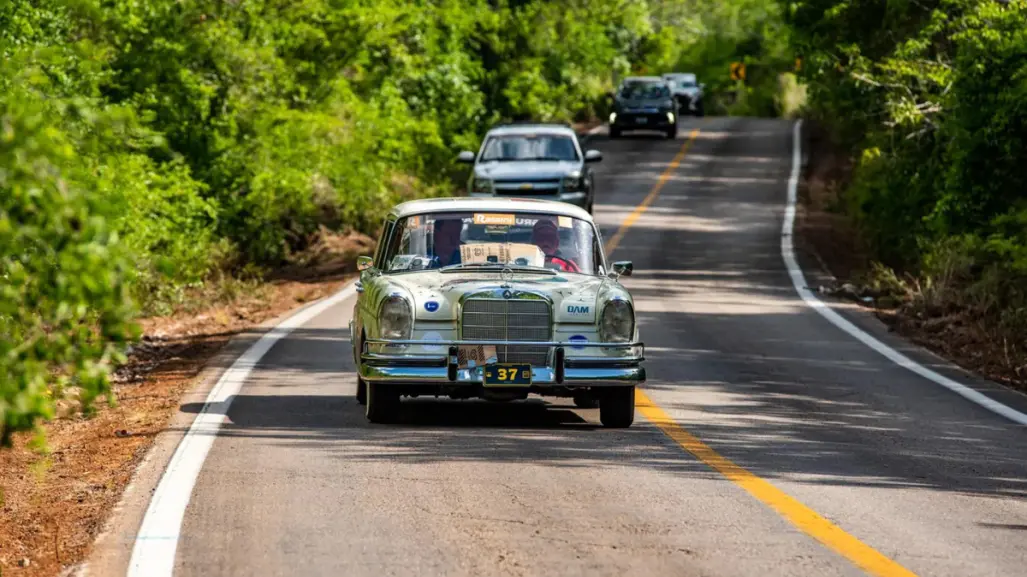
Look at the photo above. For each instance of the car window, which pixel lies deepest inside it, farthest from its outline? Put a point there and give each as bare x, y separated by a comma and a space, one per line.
644, 90
436, 240
529, 147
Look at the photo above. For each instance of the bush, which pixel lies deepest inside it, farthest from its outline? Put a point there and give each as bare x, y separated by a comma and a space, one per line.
64, 300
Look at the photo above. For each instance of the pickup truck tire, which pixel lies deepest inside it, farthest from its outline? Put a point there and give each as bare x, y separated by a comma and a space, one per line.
617, 407
382, 403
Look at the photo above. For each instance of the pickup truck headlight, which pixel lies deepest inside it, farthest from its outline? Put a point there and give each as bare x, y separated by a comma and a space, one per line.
395, 318
481, 185
617, 323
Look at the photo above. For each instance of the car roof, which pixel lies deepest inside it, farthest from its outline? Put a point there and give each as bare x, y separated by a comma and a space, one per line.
533, 128
472, 204
643, 79
679, 75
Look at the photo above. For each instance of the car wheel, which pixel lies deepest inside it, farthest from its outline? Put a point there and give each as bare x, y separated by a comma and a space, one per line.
614, 132
672, 133
699, 110
361, 391
585, 401
617, 407
382, 403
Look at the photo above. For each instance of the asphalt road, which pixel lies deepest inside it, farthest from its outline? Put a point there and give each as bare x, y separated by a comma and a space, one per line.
298, 483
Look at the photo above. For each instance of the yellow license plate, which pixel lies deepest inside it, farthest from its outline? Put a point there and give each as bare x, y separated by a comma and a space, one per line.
507, 375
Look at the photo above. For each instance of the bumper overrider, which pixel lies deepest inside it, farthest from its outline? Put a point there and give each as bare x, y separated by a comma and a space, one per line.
561, 370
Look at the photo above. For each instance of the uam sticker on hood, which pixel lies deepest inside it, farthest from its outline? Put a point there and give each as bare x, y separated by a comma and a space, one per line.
578, 309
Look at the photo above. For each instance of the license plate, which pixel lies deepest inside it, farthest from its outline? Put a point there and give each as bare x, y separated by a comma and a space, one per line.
507, 375
641, 119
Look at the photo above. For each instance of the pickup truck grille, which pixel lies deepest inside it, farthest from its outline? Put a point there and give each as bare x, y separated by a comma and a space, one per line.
509, 320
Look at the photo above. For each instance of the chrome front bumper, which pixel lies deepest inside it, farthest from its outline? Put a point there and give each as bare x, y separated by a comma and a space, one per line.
561, 371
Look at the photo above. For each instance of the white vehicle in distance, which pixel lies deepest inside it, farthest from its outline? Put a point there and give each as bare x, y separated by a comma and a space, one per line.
494, 298
688, 92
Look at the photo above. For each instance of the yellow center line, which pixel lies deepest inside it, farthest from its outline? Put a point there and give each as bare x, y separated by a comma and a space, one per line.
630, 220
805, 519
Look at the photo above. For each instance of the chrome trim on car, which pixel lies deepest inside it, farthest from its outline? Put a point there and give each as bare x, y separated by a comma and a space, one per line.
540, 376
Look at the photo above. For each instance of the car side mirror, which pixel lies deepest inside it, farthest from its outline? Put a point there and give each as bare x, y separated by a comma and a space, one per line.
623, 268
593, 156
364, 263
466, 157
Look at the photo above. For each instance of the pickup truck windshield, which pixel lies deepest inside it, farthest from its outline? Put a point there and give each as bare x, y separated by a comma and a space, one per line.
473, 241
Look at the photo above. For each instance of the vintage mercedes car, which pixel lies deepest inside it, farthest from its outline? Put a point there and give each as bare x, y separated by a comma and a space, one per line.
494, 298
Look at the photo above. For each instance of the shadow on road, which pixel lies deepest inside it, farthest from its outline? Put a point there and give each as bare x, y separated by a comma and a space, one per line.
734, 355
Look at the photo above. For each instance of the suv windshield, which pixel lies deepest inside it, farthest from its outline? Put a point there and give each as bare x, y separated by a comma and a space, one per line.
529, 147
493, 240
644, 91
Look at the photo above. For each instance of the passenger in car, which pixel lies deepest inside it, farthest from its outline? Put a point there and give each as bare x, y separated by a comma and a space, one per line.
447, 242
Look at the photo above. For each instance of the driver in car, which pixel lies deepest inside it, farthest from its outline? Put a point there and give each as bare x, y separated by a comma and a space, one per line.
447, 242
546, 236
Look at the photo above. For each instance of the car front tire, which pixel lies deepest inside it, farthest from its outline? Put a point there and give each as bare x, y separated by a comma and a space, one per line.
361, 391
382, 403
614, 132
617, 407
672, 133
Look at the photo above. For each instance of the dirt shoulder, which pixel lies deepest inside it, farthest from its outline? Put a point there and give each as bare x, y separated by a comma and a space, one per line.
54, 505
825, 231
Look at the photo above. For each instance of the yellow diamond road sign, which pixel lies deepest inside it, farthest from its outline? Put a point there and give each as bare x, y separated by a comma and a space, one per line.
737, 71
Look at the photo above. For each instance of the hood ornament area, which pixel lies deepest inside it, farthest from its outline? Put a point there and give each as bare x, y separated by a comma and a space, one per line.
507, 275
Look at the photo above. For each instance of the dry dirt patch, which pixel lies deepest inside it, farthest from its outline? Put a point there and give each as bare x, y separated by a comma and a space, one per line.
54, 505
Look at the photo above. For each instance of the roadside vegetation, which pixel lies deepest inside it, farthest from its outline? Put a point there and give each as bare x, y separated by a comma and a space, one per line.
151, 147
929, 100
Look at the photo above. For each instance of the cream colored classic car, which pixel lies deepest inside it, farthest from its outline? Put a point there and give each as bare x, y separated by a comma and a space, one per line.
494, 298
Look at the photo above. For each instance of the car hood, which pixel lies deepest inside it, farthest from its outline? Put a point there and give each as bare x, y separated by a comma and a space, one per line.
689, 90
526, 169
436, 295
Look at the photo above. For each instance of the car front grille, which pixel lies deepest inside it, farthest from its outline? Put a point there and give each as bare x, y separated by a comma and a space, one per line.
509, 320
526, 186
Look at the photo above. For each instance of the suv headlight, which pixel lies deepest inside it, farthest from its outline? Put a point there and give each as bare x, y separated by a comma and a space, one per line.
395, 318
617, 323
572, 182
481, 185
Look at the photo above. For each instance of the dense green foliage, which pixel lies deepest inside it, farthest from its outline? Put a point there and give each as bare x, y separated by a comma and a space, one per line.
932, 96
146, 144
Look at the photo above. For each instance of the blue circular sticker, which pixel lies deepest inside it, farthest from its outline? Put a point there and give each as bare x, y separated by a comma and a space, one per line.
431, 306
578, 339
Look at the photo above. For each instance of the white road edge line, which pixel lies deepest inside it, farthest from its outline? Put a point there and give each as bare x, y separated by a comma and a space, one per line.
799, 281
153, 554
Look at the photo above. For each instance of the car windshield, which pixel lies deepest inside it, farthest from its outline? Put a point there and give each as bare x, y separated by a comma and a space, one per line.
488, 240
644, 91
529, 147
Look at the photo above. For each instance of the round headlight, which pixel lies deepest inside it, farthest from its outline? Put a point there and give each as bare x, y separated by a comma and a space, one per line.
395, 318
572, 182
617, 323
